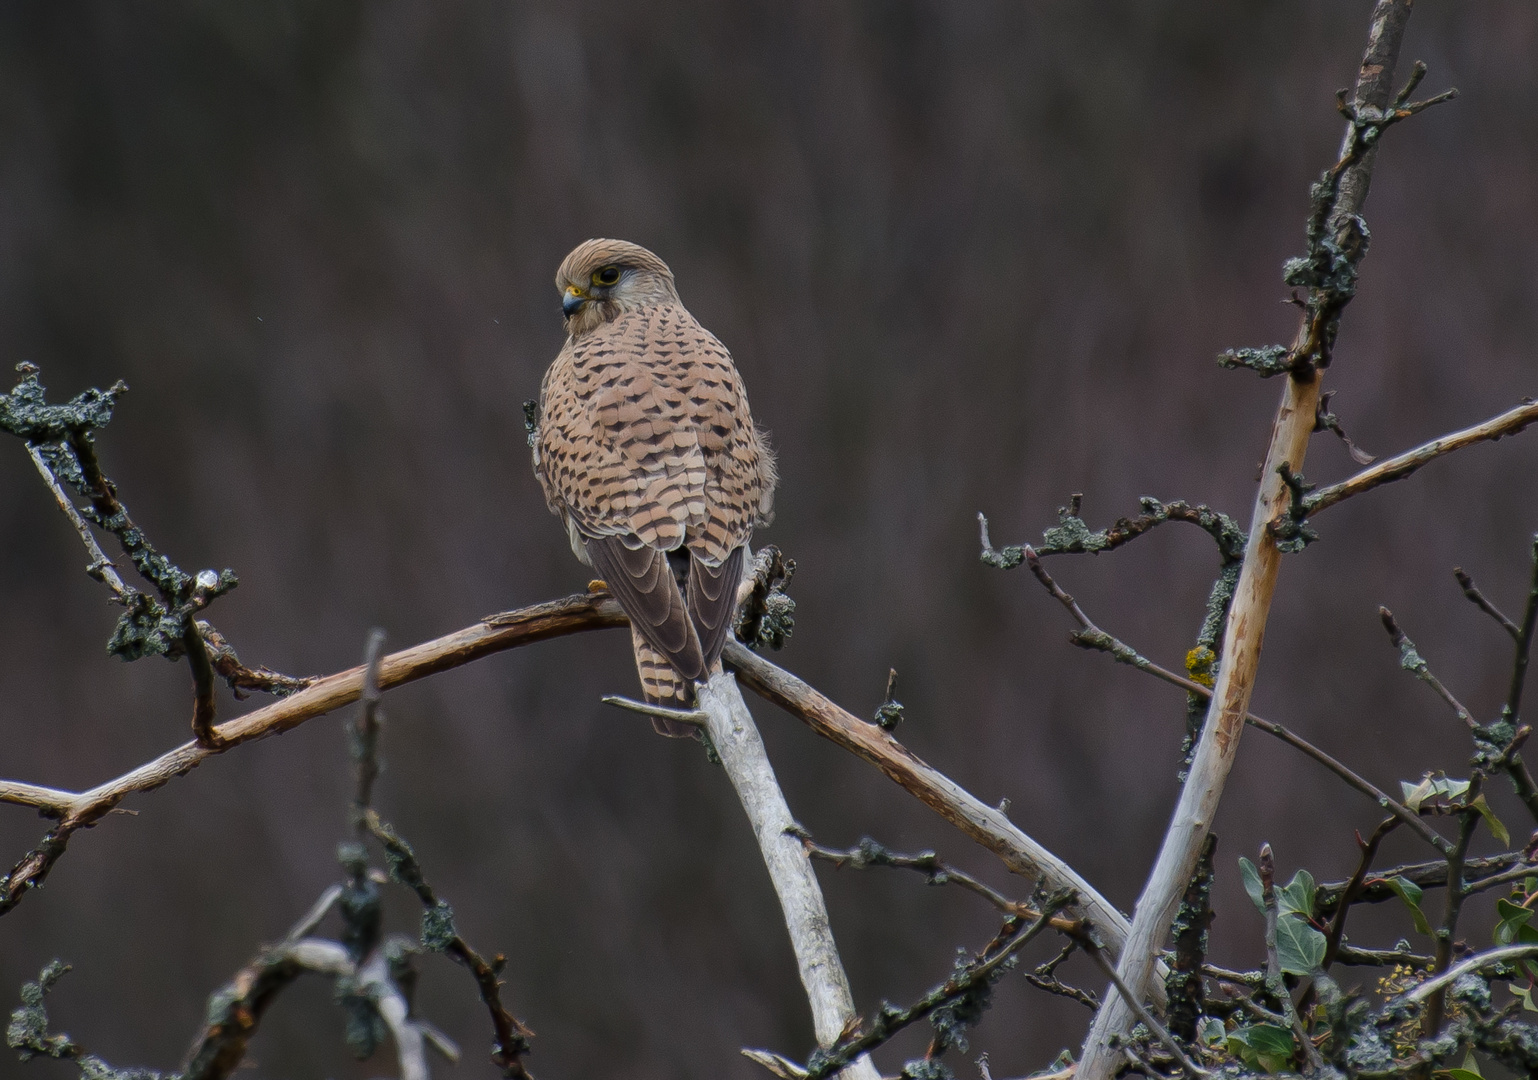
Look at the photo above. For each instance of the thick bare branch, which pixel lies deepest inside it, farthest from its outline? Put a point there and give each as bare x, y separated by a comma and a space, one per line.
736, 739
1337, 240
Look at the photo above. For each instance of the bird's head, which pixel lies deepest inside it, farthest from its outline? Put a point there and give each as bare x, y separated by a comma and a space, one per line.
603, 279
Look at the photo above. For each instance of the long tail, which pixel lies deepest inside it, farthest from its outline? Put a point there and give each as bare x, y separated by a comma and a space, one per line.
662, 685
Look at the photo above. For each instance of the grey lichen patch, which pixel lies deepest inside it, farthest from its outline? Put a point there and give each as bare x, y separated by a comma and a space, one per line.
768, 615
531, 422
63, 436
438, 931
25, 411
1266, 361
27, 1032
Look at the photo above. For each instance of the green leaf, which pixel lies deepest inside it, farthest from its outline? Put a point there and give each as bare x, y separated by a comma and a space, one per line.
1297, 896
1513, 919
1262, 1046
1527, 998
1411, 894
1252, 883
1212, 1031
1430, 787
1497, 829
1415, 794
1469, 1070
1299, 947
1453, 789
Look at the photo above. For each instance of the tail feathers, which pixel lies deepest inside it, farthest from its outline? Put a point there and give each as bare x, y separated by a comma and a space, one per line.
662, 685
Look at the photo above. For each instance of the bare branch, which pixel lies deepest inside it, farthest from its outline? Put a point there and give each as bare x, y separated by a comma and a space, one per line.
1090, 636
984, 824
1503, 955
1336, 242
1524, 638
1402, 465
1141, 1012
364, 742
493, 634
440, 934
1348, 894
1412, 661
737, 742
646, 708
202, 687
101, 568
1478, 599
868, 1035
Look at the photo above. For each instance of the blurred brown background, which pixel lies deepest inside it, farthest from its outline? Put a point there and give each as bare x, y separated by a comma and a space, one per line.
968, 256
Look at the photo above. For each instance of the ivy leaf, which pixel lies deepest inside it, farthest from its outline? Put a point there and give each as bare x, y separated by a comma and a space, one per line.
1297, 896
1497, 829
1469, 1070
1212, 1031
1514, 918
1527, 998
1299, 947
1262, 1046
1252, 883
1411, 894
1415, 794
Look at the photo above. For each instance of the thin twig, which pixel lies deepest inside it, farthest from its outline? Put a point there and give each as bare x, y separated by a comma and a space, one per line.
1090, 636
365, 733
871, 1034
1479, 600
101, 568
1364, 864
1402, 465
1141, 1012
1524, 638
1428, 875
646, 708
1411, 660
512, 1037
1275, 984
868, 853
1456, 894
203, 732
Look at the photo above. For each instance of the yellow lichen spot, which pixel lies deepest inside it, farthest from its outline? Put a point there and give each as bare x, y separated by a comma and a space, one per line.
598, 585
1199, 663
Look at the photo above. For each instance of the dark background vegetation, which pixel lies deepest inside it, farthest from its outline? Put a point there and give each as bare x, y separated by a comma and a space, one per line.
968, 256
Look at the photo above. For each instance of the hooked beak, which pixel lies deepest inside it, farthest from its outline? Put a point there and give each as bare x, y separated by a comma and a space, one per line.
573, 300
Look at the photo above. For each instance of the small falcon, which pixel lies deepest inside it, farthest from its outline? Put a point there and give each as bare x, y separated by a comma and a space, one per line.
648, 453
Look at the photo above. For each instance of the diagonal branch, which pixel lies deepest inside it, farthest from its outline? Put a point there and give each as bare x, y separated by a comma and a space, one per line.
1337, 240
75, 811
741, 750
1402, 465
984, 824
1090, 636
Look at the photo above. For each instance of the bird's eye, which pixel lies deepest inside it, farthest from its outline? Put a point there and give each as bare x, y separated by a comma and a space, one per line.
607, 276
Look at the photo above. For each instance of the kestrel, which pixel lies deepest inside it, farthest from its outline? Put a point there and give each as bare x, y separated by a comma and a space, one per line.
649, 455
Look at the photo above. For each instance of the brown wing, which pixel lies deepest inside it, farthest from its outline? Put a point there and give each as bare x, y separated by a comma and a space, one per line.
712, 597
646, 445
642, 581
